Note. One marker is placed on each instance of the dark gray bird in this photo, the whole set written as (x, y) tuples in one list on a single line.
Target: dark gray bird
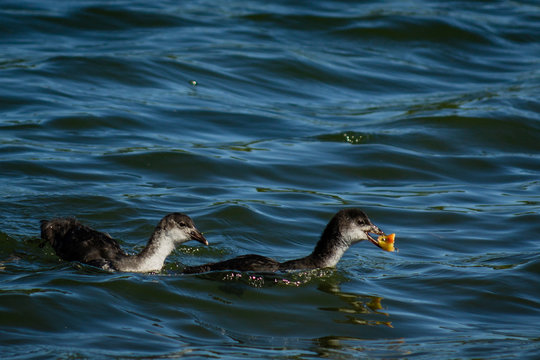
[(346, 228), (73, 241)]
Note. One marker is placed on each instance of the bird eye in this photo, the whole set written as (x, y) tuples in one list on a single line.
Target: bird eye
[(182, 224)]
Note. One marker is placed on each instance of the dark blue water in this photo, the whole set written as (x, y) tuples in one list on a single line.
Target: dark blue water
[(261, 120)]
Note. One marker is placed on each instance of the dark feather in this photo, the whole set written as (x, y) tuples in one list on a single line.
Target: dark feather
[(73, 241), (250, 262)]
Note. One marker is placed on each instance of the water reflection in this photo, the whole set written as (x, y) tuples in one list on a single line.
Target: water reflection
[(360, 309), (308, 309), (332, 346)]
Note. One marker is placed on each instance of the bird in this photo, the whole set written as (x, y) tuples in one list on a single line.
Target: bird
[(73, 241), (347, 227)]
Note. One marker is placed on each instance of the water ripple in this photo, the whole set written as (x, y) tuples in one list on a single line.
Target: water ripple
[(260, 120)]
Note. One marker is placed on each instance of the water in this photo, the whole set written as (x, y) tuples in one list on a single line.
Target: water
[(260, 120)]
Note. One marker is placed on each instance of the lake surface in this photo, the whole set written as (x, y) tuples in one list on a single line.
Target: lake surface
[(261, 120)]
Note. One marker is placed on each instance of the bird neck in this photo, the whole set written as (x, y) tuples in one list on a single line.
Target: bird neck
[(328, 252), (152, 257), (331, 246)]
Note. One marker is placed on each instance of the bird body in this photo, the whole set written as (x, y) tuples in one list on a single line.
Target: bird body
[(346, 228), (73, 241)]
